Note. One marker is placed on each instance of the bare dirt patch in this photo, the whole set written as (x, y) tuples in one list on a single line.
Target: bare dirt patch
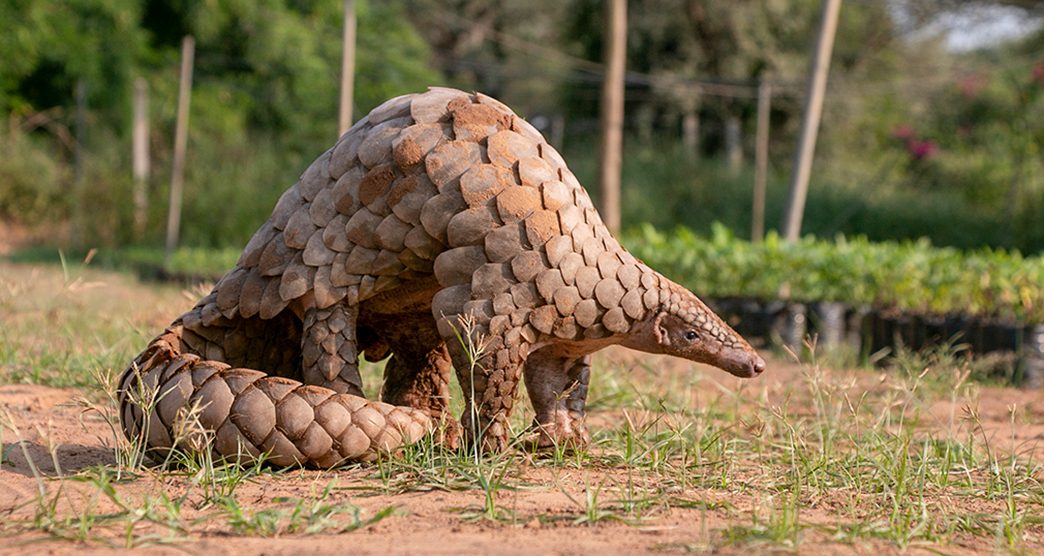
[(685, 459)]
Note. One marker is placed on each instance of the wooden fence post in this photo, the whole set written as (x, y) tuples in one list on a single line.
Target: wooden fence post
[(691, 131), (558, 131), (733, 143), (80, 92), (757, 227), (810, 121), (610, 158), (344, 120), (177, 175), (79, 223), (140, 156)]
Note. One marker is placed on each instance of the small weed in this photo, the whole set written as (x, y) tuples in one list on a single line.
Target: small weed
[(592, 510), (302, 516)]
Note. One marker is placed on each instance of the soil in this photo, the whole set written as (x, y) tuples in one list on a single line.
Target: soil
[(440, 521), (52, 323)]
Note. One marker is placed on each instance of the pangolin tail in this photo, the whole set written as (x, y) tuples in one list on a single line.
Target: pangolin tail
[(170, 398)]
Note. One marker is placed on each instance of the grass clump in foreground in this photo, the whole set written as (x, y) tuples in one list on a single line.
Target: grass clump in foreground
[(849, 459), (804, 457)]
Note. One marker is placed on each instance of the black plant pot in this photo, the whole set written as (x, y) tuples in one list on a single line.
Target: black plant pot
[(764, 317), (955, 328), (910, 332), (791, 325), (1000, 336), (859, 329), (744, 315), (873, 331), (934, 329), (886, 331), (1033, 357), (828, 322)]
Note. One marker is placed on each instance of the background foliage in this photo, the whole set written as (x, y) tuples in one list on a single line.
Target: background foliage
[(918, 140)]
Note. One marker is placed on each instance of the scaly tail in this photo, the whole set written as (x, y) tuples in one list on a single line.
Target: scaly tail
[(250, 413)]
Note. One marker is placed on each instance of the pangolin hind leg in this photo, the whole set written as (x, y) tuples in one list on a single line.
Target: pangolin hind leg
[(329, 350), (255, 343), (372, 347), (420, 379), (418, 376), (557, 384), (489, 396), (249, 412), (401, 321)]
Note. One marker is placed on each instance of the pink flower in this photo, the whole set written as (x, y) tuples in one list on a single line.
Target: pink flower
[(1038, 72), (920, 150)]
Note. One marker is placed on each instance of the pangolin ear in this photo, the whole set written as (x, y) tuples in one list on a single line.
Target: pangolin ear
[(662, 336)]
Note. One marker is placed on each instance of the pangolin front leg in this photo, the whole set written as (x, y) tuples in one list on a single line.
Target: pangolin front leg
[(557, 383), (488, 354), (489, 388)]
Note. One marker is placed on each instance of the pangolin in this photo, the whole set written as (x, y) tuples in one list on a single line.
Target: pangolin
[(441, 229)]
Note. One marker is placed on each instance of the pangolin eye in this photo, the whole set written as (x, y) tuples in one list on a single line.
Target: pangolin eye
[(692, 336)]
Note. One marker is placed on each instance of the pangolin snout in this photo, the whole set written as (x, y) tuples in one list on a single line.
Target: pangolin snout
[(758, 365), (745, 365)]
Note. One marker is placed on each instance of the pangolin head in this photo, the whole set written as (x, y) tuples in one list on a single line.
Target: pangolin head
[(685, 327)]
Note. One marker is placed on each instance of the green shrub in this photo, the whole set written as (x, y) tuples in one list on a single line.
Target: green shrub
[(34, 185), (908, 275)]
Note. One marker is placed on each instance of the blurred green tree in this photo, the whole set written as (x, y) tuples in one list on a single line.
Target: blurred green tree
[(264, 99), (47, 46)]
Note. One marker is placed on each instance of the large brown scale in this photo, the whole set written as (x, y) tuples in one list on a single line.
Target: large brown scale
[(432, 207)]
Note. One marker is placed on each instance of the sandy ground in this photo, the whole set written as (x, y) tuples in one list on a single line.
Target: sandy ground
[(434, 521), (48, 321)]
